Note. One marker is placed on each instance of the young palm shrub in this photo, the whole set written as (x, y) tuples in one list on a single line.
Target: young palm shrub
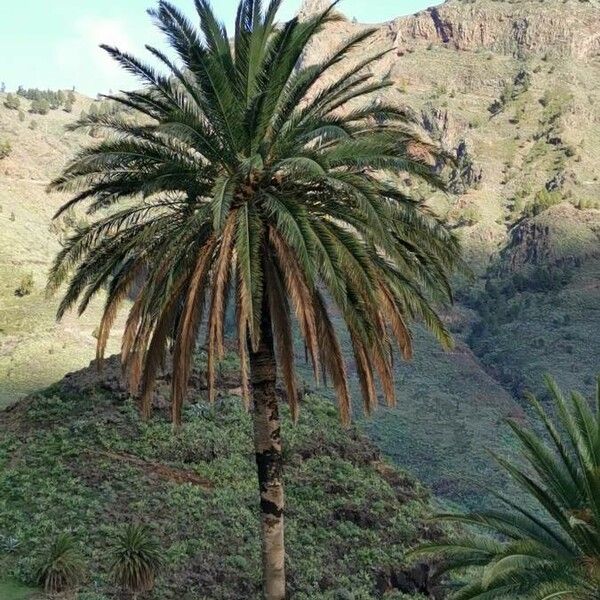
[(62, 568), (136, 559), (552, 550), (273, 186)]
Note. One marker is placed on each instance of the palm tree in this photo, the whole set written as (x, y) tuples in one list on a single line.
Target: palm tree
[(250, 180), (547, 543)]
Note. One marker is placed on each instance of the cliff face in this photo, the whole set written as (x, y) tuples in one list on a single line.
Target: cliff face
[(515, 28), (560, 236)]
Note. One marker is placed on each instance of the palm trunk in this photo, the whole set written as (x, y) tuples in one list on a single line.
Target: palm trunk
[(267, 444)]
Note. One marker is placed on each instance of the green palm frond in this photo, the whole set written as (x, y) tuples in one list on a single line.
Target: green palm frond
[(552, 550)]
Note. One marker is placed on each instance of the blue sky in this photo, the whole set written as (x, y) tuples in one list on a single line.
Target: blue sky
[(54, 43)]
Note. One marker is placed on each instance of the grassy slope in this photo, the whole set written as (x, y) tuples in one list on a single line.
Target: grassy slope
[(86, 463), (12, 590), (34, 350)]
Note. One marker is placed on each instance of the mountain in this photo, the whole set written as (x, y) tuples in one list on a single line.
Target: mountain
[(511, 89)]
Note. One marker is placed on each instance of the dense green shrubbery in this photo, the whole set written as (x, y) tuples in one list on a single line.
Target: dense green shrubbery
[(348, 517), (42, 101), (506, 300), (40, 107)]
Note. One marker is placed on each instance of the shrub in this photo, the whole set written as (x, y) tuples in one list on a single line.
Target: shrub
[(470, 216), (62, 568), (9, 544), (5, 148), (12, 102), (25, 287), (543, 201), (40, 107), (136, 559)]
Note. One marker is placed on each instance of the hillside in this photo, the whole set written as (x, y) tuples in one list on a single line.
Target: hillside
[(511, 88), (35, 351), (77, 457)]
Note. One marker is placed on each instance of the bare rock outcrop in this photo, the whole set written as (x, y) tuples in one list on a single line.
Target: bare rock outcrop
[(561, 236), (513, 28)]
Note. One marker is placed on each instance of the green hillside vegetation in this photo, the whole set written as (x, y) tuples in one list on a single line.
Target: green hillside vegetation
[(82, 462)]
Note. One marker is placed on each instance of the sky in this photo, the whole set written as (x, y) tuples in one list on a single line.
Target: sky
[(54, 43)]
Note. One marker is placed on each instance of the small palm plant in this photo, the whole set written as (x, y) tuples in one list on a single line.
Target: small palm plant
[(552, 551), (136, 559), (62, 568)]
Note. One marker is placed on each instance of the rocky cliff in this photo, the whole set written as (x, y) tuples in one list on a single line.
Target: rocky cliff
[(517, 28)]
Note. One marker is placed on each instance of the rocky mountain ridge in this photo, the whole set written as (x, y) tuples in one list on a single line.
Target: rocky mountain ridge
[(512, 28)]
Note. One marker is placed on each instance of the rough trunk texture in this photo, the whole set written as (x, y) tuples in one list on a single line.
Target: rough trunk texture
[(267, 443)]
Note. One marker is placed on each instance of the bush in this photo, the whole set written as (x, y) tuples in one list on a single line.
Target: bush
[(25, 287), (40, 107), (12, 102), (5, 148), (136, 559), (543, 201), (62, 568), (470, 216)]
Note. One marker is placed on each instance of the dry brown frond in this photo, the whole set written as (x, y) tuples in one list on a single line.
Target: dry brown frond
[(333, 358), (185, 341), (301, 297), (242, 330), (365, 373), (216, 317), (393, 316), (155, 354), (111, 309), (282, 328)]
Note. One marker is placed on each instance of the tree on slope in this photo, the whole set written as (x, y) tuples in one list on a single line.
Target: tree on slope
[(551, 550), (253, 181)]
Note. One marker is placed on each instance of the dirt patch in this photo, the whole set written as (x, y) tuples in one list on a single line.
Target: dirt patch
[(158, 470)]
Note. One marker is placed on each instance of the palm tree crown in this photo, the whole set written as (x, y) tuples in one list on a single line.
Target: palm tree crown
[(250, 181), (552, 550)]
